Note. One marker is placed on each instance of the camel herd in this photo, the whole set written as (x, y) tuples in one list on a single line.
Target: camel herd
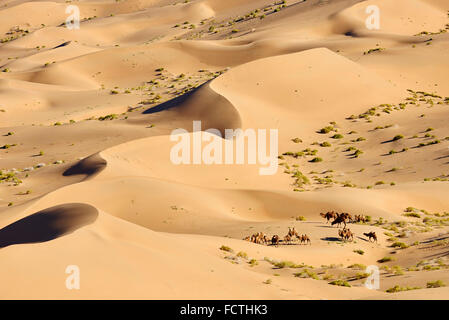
[(289, 238), (337, 219), (341, 218)]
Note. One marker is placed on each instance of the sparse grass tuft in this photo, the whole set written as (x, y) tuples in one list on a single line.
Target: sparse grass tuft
[(342, 283), (436, 284), (226, 248), (385, 259)]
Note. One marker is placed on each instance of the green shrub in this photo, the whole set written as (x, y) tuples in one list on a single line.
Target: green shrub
[(436, 284), (226, 248), (326, 129), (342, 283), (242, 254), (385, 259), (398, 288), (398, 244)]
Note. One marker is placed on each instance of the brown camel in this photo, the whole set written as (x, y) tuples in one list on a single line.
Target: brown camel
[(304, 239), (292, 232), (328, 215), (275, 240), (287, 239), (339, 220), (346, 234), (371, 235)]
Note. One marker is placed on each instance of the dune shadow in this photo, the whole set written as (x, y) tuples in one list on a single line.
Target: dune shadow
[(48, 224), (351, 33), (173, 102), (330, 239), (63, 44), (91, 165)]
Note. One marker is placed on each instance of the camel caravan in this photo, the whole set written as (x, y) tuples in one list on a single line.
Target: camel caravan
[(341, 218), (293, 236), (289, 238)]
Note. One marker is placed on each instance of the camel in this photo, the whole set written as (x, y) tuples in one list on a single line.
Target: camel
[(328, 215), (359, 218), (348, 216), (349, 235), (287, 239), (346, 234), (372, 235), (339, 220), (259, 238), (292, 232), (256, 238), (275, 240), (304, 238), (262, 239), (265, 239)]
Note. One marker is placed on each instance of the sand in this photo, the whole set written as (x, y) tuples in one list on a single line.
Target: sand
[(87, 180)]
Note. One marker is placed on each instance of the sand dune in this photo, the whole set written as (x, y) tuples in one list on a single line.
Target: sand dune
[(87, 118)]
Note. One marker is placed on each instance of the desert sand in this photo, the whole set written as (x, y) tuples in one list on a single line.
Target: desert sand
[(86, 117)]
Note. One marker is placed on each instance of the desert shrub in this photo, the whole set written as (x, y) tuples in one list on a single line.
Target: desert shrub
[(286, 264), (226, 248), (361, 275), (398, 244), (385, 259), (357, 266), (412, 214), (268, 281), (253, 262), (242, 254), (342, 283), (326, 129), (108, 117), (398, 288), (436, 284), (306, 273)]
